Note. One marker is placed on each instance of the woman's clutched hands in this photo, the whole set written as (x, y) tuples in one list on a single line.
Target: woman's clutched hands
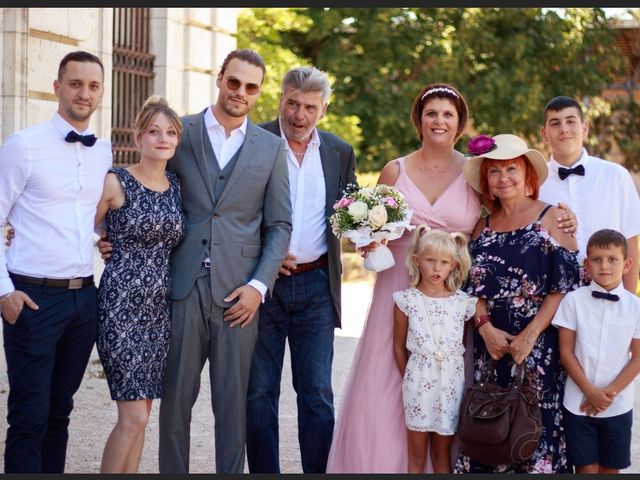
[(497, 341)]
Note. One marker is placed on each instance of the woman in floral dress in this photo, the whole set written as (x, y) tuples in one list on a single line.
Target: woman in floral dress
[(523, 264)]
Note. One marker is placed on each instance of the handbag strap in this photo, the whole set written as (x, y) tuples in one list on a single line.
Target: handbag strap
[(491, 368)]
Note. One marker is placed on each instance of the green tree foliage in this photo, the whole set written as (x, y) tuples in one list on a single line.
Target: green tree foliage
[(507, 61)]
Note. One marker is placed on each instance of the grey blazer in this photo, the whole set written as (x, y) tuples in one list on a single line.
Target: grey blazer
[(339, 168), (247, 228)]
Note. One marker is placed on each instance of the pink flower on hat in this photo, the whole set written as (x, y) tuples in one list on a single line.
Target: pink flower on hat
[(480, 145)]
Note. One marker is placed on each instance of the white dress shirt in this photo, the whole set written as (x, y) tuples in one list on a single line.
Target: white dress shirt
[(605, 197), (224, 149), (604, 330), (308, 201), (49, 190)]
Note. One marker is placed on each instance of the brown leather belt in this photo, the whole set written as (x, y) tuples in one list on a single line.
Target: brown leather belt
[(69, 283), (320, 262)]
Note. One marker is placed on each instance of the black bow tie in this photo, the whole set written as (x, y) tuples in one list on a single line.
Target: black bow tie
[(87, 140), (565, 172), (605, 295)]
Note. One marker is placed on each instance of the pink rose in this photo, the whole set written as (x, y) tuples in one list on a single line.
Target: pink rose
[(390, 201), (343, 202)]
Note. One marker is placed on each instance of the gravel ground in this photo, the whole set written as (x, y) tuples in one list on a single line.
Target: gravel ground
[(94, 414)]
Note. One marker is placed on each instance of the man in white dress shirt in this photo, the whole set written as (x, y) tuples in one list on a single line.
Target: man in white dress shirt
[(600, 193), (305, 306), (52, 179)]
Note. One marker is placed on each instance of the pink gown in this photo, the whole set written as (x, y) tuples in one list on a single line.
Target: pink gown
[(370, 434)]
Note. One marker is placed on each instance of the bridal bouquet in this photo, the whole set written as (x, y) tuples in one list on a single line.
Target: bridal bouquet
[(372, 214)]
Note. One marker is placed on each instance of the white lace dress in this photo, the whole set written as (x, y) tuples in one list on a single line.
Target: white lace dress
[(433, 382)]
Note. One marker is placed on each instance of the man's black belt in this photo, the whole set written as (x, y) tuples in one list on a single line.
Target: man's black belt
[(69, 283)]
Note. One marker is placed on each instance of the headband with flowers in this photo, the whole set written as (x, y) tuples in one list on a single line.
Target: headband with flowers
[(480, 145)]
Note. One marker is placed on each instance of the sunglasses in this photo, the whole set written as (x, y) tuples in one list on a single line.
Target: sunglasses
[(234, 84)]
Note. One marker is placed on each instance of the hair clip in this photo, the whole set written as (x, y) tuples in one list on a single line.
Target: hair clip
[(439, 90), (424, 229)]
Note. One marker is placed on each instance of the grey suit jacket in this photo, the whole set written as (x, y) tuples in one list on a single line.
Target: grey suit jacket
[(247, 228), (339, 168)]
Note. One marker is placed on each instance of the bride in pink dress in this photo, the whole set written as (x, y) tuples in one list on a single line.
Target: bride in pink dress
[(370, 434)]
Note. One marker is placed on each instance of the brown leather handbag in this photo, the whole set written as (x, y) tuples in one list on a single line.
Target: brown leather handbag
[(500, 425)]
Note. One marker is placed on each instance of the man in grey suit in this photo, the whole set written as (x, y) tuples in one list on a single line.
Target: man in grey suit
[(305, 306), (235, 195)]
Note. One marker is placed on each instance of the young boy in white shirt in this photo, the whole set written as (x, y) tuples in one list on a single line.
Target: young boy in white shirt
[(599, 331), (600, 193)]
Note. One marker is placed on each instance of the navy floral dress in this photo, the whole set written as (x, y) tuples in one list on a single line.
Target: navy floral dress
[(514, 271), (134, 326)]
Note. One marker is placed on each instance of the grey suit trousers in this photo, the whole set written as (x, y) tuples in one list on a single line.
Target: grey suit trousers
[(198, 333)]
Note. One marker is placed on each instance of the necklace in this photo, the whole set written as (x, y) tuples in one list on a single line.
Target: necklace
[(296, 154), (439, 355)]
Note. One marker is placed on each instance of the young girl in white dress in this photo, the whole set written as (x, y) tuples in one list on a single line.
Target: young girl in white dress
[(428, 331)]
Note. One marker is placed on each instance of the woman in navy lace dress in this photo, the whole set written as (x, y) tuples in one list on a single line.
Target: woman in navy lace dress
[(142, 210), (523, 264)]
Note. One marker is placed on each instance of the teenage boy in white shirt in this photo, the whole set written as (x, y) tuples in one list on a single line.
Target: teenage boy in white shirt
[(599, 332), (600, 193)]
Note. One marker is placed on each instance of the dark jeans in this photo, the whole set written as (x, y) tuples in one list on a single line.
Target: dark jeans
[(47, 352), (301, 310)]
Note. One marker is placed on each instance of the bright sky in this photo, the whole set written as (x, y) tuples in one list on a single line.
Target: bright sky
[(617, 12)]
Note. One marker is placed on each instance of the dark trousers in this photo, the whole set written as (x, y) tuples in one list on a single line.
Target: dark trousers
[(47, 351), (300, 310)]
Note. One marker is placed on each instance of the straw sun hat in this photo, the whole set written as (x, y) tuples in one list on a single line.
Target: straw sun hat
[(501, 147)]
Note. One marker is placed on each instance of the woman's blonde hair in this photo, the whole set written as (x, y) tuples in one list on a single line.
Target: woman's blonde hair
[(440, 242), (151, 106)]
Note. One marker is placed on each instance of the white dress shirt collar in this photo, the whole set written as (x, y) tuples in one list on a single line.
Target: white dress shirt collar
[(210, 121), (583, 160), (224, 147), (65, 127), (314, 142), (596, 287)]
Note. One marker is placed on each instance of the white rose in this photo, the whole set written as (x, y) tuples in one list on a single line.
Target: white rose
[(358, 211), (377, 216), (366, 192)]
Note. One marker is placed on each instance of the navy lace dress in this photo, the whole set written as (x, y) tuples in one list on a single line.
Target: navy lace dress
[(514, 271), (134, 326)]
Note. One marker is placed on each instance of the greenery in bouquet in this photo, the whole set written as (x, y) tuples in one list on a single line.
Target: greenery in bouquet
[(372, 207)]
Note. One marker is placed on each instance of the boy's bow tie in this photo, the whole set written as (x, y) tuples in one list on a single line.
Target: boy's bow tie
[(607, 296)]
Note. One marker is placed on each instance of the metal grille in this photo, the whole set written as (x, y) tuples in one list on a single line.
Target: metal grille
[(132, 78)]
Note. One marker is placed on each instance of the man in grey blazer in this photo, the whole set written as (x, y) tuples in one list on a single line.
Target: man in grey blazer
[(305, 306), (235, 195)]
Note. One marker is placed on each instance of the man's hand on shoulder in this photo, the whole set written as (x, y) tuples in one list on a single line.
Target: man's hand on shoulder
[(243, 311)]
